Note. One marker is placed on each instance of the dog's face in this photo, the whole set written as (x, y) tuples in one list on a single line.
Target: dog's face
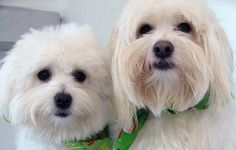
[(57, 81), (168, 54)]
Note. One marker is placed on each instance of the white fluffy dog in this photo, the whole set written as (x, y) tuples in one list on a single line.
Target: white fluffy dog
[(55, 86), (171, 56)]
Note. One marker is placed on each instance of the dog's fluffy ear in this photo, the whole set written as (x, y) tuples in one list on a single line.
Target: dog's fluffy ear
[(124, 110), (220, 57), (6, 82)]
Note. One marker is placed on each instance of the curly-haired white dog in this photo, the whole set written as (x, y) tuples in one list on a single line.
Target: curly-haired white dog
[(55, 86), (172, 57)]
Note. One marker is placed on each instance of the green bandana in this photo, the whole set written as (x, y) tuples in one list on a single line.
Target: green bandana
[(203, 104), (101, 141), (125, 140)]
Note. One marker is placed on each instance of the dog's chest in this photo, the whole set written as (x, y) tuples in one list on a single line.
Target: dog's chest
[(192, 131)]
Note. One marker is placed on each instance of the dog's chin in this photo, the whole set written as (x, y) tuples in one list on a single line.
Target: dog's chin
[(62, 119), (60, 126), (164, 65), (62, 113)]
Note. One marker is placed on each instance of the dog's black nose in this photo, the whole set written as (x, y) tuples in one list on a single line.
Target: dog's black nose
[(63, 100), (163, 49)]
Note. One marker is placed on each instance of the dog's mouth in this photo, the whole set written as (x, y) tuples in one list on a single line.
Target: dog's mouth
[(62, 114), (163, 64)]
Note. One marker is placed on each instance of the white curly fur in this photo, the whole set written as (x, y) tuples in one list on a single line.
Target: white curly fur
[(203, 62), (28, 102)]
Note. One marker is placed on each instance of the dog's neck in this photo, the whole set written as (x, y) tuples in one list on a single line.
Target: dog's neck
[(98, 141), (203, 104), (125, 139)]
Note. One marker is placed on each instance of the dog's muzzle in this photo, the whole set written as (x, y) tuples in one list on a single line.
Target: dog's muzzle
[(62, 102), (162, 51)]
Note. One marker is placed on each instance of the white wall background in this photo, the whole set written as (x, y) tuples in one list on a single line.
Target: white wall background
[(102, 15)]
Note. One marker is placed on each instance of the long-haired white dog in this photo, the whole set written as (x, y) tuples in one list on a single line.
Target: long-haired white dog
[(55, 86), (171, 56)]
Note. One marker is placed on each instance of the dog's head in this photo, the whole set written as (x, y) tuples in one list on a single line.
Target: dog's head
[(168, 54), (57, 82)]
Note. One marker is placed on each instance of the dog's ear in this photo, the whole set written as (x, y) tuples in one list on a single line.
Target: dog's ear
[(220, 58), (124, 111), (6, 81)]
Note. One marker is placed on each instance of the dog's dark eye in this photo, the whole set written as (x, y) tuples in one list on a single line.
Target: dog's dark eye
[(44, 75), (145, 29), (79, 76), (184, 27)]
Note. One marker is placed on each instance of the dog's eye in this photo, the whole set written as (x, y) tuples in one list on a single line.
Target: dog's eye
[(184, 27), (145, 29), (79, 76), (44, 75)]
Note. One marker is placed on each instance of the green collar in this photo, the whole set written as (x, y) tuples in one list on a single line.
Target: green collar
[(125, 139), (100, 141), (202, 105)]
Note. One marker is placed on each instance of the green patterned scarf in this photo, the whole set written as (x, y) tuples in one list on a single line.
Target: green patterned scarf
[(125, 139), (100, 141)]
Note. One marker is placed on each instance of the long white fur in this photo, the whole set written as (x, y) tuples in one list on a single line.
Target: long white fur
[(28, 102), (204, 62)]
